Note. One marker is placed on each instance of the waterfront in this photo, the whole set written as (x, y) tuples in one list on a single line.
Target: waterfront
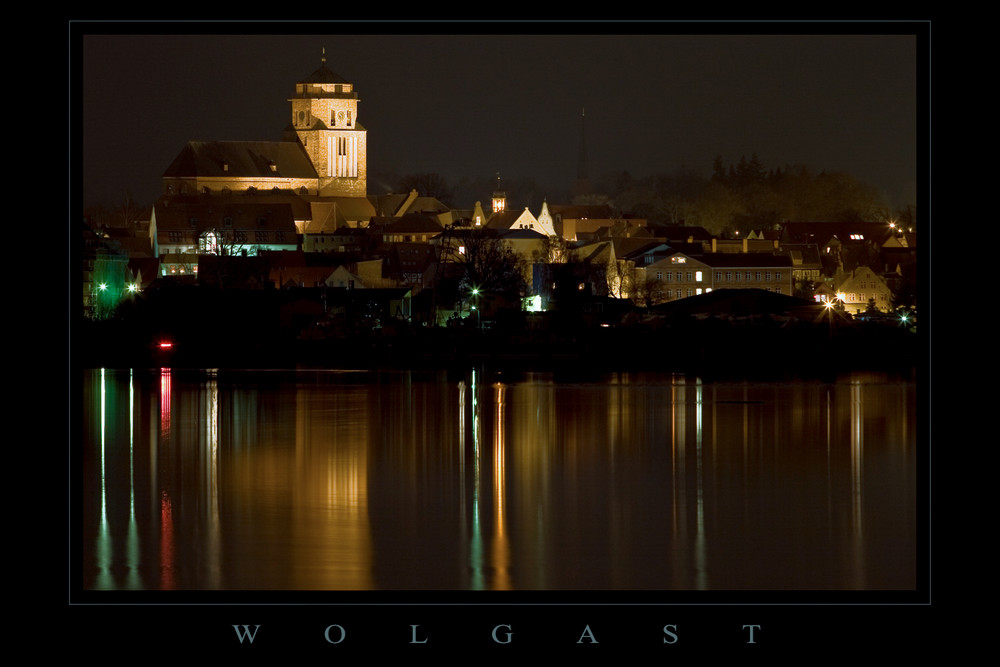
[(230, 480)]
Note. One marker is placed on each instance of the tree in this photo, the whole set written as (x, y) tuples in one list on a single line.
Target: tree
[(428, 185), (486, 262)]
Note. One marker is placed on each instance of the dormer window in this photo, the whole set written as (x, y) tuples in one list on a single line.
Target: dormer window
[(225, 166), (274, 167)]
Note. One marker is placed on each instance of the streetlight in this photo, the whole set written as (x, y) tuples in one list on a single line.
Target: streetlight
[(479, 317)]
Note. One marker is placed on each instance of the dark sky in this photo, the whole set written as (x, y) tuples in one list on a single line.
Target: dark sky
[(474, 104)]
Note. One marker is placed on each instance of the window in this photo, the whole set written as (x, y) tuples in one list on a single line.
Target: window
[(756, 276), (344, 157), (777, 275), (679, 278), (260, 236), (748, 276), (697, 276), (718, 276), (688, 276), (729, 276), (659, 276), (767, 275)]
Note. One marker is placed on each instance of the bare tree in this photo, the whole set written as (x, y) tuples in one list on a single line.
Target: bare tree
[(488, 263)]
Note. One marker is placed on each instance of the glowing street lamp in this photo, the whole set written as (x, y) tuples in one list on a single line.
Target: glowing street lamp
[(479, 318)]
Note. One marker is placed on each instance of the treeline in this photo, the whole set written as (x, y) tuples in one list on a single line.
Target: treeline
[(729, 198), (747, 195)]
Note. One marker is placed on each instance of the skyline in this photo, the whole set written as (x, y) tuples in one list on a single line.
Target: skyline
[(474, 105)]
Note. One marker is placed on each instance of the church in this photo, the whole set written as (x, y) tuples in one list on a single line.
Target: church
[(323, 152), (315, 177)]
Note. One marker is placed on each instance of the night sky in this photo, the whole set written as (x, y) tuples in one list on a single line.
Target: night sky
[(463, 104)]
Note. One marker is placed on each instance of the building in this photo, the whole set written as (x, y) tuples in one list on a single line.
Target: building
[(679, 275), (319, 169), (192, 225), (861, 287)]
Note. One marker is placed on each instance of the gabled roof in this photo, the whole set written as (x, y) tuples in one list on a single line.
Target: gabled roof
[(299, 205), (330, 213), (632, 247), (241, 159), (415, 223), (822, 232), (206, 213), (503, 220)]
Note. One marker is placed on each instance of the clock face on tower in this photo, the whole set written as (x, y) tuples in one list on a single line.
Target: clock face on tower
[(340, 118)]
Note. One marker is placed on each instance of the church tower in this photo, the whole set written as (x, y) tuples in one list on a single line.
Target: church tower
[(325, 122), (499, 198)]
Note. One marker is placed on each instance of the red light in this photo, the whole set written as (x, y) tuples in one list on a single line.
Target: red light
[(165, 345)]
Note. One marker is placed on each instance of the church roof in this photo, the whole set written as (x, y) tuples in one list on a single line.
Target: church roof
[(241, 159), (324, 75)]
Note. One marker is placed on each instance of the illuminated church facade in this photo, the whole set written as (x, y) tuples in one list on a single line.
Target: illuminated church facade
[(270, 195), (324, 151)]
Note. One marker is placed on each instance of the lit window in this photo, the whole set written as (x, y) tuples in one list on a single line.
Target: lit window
[(697, 276)]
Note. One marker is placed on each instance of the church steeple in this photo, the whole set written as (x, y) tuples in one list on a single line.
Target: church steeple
[(499, 197), (325, 121)]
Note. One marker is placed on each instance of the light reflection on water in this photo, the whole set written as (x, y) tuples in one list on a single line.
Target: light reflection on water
[(228, 480)]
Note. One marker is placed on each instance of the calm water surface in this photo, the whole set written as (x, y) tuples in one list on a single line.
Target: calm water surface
[(316, 480)]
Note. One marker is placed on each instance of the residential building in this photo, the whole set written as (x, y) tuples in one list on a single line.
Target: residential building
[(862, 287), (679, 275)]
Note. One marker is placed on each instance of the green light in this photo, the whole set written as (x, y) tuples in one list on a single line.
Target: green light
[(103, 287)]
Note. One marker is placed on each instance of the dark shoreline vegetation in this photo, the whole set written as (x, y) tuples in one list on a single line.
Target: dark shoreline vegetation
[(247, 330)]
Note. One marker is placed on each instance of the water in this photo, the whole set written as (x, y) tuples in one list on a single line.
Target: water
[(397, 481)]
